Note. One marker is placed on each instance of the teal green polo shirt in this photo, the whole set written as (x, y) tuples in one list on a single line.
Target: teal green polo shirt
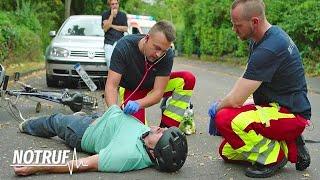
[(115, 137)]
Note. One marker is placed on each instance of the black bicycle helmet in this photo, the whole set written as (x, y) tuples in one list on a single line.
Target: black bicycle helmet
[(171, 150)]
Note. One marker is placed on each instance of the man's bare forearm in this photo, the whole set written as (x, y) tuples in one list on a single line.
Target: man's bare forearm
[(111, 96), (107, 23), (151, 99), (111, 88), (120, 28), (82, 165)]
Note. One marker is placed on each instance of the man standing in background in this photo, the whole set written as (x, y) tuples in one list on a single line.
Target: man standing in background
[(114, 23)]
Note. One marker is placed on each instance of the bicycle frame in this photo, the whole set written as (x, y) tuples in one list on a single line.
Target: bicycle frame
[(75, 101)]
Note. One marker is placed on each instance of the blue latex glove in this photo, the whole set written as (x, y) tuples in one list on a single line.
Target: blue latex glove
[(212, 114), (131, 107)]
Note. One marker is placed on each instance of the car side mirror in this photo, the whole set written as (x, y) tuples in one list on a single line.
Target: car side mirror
[(52, 33)]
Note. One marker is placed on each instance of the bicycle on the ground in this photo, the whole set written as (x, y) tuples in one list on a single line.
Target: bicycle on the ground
[(76, 101)]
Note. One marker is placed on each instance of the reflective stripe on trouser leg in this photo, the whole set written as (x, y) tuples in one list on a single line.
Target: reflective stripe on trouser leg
[(173, 114), (228, 153), (255, 147), (178, 104)]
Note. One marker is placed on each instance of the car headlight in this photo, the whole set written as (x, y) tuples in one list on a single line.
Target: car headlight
[(59, 52)]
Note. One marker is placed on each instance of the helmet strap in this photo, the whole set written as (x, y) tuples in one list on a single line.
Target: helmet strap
[(148, 149)]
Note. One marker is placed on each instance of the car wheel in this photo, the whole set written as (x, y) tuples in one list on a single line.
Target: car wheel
[(51, 82)]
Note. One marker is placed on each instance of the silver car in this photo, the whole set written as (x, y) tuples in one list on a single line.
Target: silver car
[(79, 40)]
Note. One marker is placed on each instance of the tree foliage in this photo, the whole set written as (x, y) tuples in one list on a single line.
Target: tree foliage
[(203, 26)]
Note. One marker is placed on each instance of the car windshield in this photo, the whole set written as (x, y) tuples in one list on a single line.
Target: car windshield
[(82, 27), (145, 30)]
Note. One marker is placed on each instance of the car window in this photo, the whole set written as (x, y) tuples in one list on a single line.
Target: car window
[(135, 30), (145, 30), (82, 27)]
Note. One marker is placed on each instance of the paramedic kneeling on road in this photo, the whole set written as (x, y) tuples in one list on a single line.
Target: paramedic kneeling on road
[(147, 60), (120, 142), (268, 132)]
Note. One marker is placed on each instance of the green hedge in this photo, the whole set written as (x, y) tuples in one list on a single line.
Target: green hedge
[(28, 46), (209, 23), (24, 28), (7, 36), (18, 43)]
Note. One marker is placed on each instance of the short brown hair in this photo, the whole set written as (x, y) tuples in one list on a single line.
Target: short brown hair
[(166, 28), (251, 8), (109, 1)]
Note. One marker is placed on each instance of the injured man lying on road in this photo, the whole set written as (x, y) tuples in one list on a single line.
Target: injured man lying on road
[(118, 142)]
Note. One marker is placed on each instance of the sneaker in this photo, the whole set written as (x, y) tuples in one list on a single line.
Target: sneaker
[(264, 171), (23, 124), (304, 159)]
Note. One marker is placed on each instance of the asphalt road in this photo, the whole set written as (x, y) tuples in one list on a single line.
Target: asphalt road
[(203, 162)]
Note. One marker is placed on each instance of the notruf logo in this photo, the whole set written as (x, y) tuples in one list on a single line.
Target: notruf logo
[(45, 158)]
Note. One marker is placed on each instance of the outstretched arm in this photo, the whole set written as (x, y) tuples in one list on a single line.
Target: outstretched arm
[(239, 93), (91, 164), (157, 92), (120, 28), (111, 88)]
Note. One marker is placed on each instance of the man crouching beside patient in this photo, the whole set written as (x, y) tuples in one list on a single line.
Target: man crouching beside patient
[(268, 132)]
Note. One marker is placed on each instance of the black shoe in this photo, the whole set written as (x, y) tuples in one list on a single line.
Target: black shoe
[(262, 171), (303, 155)]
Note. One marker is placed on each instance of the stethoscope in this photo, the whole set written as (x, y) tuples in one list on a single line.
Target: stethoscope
[(147, 68)]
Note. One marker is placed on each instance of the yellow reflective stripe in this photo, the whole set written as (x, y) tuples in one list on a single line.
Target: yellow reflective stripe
[(121, 94), (251, 139), (271, 113), (177, 110), (181, 97), (173, 115), (254, 149), (270, 154), (180, 104), (260, 115), (266, 154), (183, 92), (257, 147), (174, 84), (231, 154), (176, 107)]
